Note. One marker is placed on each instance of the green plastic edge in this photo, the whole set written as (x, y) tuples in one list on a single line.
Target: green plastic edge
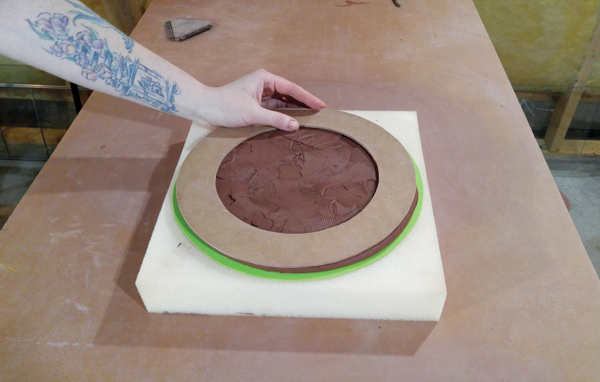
[(232, 264)]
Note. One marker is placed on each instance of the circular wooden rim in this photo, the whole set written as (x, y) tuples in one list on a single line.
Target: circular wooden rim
[(203, 211)]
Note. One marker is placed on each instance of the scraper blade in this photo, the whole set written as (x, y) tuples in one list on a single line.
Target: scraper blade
[(182, 29)]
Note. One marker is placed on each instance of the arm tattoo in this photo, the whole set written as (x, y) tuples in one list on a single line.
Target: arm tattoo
[(85, 48), (93, 17)]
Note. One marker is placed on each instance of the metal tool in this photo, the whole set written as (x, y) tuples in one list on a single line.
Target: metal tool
[(182, 29)]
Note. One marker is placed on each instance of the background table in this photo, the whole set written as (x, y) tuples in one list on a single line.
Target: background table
[(523, 299)]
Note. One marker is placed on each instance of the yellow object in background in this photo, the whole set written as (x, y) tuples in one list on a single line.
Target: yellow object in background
[(542, 44)]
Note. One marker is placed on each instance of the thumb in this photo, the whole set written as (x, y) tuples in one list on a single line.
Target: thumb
[(275, 119)]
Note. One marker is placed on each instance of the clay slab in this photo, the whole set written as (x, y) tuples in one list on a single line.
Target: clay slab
[(407, 284), (342, 176)]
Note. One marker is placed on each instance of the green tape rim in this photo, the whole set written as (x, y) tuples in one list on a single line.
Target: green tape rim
[(229, 263)]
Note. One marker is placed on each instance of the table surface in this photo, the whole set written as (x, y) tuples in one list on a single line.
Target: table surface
[(523, 298)]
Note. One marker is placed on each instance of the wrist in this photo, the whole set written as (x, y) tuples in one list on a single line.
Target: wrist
[(191, 102)]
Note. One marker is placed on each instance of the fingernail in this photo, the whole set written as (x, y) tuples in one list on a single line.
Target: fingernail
[(293, 125)]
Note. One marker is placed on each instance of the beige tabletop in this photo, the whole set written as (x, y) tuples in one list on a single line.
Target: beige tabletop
[(523, 298)]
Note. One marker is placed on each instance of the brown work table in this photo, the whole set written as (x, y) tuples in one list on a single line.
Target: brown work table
[(523, 298)]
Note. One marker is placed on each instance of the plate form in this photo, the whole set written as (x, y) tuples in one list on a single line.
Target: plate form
[(380, 227)]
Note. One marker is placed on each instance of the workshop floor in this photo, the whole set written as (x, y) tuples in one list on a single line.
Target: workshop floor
[(577, 177)]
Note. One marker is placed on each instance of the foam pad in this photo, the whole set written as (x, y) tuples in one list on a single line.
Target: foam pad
[(407, 284)]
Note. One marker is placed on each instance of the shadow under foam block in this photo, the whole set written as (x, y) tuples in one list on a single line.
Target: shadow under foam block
[(406, 284)]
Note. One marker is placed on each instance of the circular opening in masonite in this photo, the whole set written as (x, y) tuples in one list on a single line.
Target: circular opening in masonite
[(297, 182)]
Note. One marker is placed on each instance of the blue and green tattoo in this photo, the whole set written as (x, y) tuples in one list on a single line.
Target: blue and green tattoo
[(81, 44)]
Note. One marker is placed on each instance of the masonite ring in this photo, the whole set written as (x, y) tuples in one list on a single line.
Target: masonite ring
[(305, 276), (205, 214)]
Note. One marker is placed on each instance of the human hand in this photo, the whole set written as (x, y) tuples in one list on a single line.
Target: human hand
[(250, 100)]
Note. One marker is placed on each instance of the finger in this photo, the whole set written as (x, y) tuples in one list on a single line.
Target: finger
[(272, 118), (289, 100), (274, 103), (285, 87)]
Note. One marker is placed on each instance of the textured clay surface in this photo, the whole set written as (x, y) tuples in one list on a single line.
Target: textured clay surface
[(296, 182)]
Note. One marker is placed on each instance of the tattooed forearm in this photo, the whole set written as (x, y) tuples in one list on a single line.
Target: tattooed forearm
[(76, 41), (68, 40)]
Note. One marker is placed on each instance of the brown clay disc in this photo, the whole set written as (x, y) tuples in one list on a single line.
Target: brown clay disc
[(296, 182), (353, 239)]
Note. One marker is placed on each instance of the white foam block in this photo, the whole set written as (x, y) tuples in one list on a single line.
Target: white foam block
[(407, 284)]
